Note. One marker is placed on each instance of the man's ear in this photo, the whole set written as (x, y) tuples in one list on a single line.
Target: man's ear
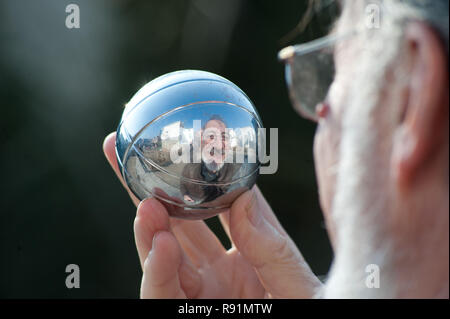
[(424, 127)]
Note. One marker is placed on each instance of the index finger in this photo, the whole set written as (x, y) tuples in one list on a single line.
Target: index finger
[(109, 148)]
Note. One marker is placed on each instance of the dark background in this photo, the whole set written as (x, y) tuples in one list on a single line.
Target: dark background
[(63, 90)]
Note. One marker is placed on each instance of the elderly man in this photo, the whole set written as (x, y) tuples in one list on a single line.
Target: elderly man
[(381, 154)]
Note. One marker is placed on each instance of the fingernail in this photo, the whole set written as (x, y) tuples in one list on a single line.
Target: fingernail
[(253, 214), (139, 206)]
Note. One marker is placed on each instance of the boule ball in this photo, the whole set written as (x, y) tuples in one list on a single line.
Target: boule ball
[(190, 139)]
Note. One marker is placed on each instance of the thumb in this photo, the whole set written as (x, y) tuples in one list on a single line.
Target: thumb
[(262, 241)]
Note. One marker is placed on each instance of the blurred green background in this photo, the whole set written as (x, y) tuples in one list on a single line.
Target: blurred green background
[(63, 90)]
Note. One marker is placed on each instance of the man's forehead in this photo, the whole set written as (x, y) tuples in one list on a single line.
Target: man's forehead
[(214, 123)]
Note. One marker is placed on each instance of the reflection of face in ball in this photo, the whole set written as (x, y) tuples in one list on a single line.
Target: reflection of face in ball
[(215, 144)]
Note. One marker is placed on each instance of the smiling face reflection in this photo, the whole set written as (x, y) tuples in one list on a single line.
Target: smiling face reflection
[(215, 144)]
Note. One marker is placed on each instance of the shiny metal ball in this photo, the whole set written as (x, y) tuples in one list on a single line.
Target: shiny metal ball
[(190, 138)]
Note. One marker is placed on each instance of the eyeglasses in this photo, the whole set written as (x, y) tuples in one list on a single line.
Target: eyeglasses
[(310, 72)]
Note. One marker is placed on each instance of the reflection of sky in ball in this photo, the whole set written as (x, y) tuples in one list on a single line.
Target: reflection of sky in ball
[(175, 131), (240, 118)]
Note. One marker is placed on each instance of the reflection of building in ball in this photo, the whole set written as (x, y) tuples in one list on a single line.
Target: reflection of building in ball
[(190, 139)]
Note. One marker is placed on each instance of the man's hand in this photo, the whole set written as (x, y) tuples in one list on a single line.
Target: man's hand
[(184, 259)]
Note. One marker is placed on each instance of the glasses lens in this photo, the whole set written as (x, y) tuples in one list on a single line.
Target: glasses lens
[(309, 77)]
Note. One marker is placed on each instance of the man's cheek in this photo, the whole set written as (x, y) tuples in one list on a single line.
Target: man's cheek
[(326, 159), (320, 164)]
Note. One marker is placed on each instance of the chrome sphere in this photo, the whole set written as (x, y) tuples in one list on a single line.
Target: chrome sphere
[(190, 138)]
